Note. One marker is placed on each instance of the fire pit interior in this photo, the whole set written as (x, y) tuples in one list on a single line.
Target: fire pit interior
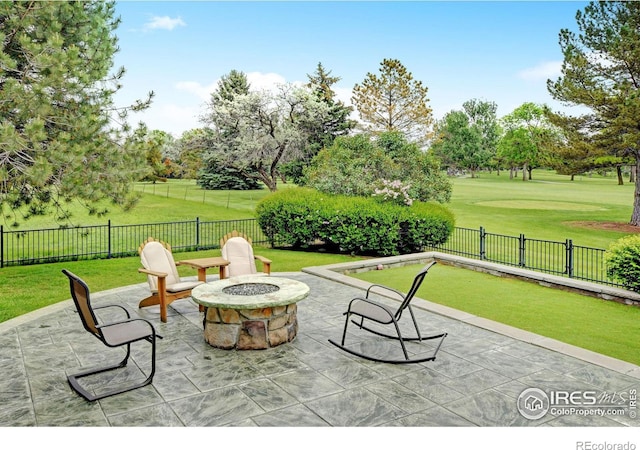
[(250, 289)]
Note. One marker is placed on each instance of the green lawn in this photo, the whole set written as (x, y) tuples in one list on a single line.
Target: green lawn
[(27, 288), (548, 207), (602, 326)]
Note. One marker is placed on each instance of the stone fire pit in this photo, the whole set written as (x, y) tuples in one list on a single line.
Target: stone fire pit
[(250, 312)]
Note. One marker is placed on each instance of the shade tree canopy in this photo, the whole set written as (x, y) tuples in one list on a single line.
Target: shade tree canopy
[(528, 136), (256, 133), (362, 164), (467, 139)]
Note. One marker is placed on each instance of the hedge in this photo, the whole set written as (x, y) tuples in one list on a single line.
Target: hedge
[(622, 261), (303, 217)]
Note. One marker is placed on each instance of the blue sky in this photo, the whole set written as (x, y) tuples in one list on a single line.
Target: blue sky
[(501, 51)]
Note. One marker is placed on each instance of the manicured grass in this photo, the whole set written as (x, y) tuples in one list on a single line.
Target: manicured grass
[(27, 288), (173, 201), (602, 326), (548, 207)]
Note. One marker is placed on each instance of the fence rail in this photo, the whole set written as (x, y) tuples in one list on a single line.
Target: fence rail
[(113, 241), (555, 257)]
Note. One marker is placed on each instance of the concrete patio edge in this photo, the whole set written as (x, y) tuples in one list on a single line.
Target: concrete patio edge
[(339, 273)]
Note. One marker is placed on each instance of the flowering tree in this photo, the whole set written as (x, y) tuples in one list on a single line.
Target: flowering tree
[(394, 191), (358, 165), (256, 133)]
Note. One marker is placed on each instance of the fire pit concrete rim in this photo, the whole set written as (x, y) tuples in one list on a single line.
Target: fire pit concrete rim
[(212, 295)]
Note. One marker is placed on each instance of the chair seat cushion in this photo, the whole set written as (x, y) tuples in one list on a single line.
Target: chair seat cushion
[(183, 286), (371, 310), (121, 333)]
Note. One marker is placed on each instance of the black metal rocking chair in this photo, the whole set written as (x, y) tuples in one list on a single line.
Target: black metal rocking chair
[(113, 334), (365, 308)]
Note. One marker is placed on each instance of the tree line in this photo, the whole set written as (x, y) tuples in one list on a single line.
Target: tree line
[(63, 139)]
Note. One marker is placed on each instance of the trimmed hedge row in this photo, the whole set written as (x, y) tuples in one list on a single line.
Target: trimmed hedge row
[(302, 217)]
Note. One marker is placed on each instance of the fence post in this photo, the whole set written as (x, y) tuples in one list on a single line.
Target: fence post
[(522, 259), (483, 243), (569, 268), (1, 245), (109, 239), (197, 233)]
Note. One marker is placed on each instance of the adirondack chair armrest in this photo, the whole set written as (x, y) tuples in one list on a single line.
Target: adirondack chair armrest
[(153, 273)]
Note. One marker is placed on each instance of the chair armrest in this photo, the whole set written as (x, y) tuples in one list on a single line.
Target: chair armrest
[(151, 272), (262, 259), (114, 306), (395, 291), (266, 263)]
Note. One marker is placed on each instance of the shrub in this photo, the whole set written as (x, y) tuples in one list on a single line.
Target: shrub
[(358, 165), (301, 217), (622, 260)]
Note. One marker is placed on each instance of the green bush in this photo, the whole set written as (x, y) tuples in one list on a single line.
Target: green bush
[(301, 217), (622, 260)]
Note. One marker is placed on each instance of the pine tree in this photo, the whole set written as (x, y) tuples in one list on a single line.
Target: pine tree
[(394, 101), (600, 71), (58, 139)]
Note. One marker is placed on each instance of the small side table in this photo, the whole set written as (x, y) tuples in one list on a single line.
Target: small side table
[(202, 264)]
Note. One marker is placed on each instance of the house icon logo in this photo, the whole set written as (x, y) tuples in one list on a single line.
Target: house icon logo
[(533, 403)]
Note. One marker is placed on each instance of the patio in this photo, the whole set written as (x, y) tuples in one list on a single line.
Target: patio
[(476, 379)]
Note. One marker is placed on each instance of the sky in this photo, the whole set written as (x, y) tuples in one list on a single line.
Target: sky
[(501, 51)]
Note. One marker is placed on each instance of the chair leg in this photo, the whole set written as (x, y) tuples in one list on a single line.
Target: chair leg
[(404, 349), (75, 384), (162, 293), (346, 324), (415, 323)]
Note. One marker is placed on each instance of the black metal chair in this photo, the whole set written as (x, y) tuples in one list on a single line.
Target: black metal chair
[(112, 334), (366, 308)]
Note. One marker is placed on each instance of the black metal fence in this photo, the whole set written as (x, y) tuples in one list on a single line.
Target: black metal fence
[(554, 257), (112, 241)]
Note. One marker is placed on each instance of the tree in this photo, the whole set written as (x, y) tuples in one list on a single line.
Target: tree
[(217, 175), (358, 165), (600, 71), (337, 122), (256, 133), (457, 143), (527, 137), (158, 147), (394, 101), (232, 84), (574, 153), (468, 139), (192, 145), (482, 116), (58, 138), (321, 134)]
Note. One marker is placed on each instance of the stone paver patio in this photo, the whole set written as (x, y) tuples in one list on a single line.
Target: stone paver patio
[(475, 380)]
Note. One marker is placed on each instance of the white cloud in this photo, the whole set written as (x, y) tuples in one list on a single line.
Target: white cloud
[(543, 71), (163, 23), (257, 80), (264, 81), (343, 94), (193, 87)]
